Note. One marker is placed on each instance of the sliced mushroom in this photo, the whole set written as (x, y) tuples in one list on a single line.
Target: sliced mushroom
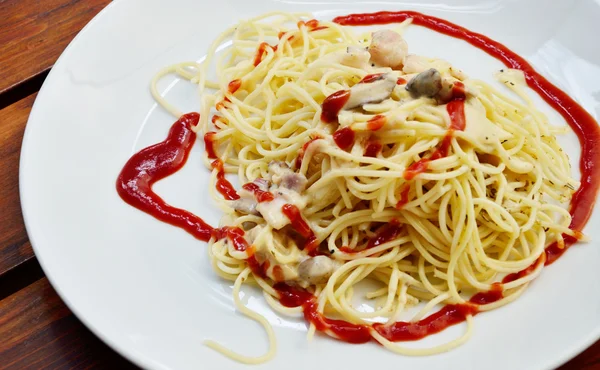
[(431, 84), (372, 92), (355, 57), (316, 269), (427, 83), (388, 49)]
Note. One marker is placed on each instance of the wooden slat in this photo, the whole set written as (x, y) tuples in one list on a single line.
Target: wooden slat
[(587, 360), (38, 331), (33, 33), (14, 245)]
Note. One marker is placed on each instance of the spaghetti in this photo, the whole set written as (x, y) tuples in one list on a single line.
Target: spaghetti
[(362, 162)]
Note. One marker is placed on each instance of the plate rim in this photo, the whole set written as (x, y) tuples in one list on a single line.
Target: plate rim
[(140, 360)]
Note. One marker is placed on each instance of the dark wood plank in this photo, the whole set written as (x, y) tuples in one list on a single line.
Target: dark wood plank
[(33, 33), (588, 359), (14, 245), (38, 331)]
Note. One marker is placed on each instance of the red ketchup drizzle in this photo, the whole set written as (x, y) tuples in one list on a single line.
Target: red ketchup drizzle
[(376, 122), (220, 105), (223, 186), (333, 104), (372, 149), (355, 333), (301, 227), (260, 195), (158, 161), (579, 119), (385, 234), (235, 236), (234, 85), (154, 163), (400, 81), (403, 196), (371, 78), (449, 315), (456, 111), (262, 49), (209, 144), (342, 330), (300, 156), (344, 138), (491, 296), (421, 165), (517, 275)]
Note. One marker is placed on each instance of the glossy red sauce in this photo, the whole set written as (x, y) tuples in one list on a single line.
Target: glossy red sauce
[(344, 138), (400, 81), (517, 275), (376, 122), (234, 85), (300, 156), (308, 239), (158, 161), (372, 148), (260, 195), (579, 119), (278, 273), (293, 214), (220, 105), (260, 52), (458, 91), (403, 196), (449, 315), (339, 329), (371, 78), (209, 144), (357, 333), (223, 186), (456, 111), (386, 233), (235, 235), (154, 163), (491, 296), (333, 104)]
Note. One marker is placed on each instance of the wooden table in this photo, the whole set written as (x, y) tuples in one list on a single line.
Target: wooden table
[(36, 329)]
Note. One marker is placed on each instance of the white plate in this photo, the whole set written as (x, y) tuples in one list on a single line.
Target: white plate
[(147, 289)]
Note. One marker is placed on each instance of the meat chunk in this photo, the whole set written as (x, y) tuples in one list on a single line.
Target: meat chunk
[(316, 269), (372, 92), (355, 57), (388, 49), (282, 175), (272, 212), (247, 202), (414, 64)]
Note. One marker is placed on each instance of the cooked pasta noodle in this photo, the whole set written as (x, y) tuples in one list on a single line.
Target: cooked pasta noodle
[(431, 184)]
